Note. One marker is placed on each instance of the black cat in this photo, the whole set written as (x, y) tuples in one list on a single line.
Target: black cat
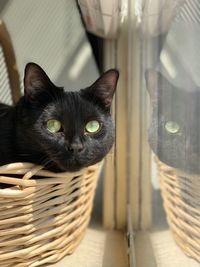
[(174, 133), (63, 131)]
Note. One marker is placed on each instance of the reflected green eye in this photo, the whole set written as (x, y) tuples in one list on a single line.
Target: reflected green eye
[(92, 127), (53, 126), (172, 127)]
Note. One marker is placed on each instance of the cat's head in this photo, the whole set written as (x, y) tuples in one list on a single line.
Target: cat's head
[(74, 129), (174, 132)]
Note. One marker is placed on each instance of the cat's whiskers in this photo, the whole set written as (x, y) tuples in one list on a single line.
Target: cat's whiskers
[(47, 162)]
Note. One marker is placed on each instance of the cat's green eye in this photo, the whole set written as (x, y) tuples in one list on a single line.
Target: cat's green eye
[(172, 127), (92, 127), (54, 126)]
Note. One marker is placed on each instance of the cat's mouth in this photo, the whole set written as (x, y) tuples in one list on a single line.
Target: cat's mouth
[(67, 165), (71, 165)]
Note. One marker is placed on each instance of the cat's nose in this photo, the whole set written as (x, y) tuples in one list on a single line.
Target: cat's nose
[(75, 147)]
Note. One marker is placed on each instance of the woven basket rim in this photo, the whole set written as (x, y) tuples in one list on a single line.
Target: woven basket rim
[(11, 167), (176, 171), (28, 170)]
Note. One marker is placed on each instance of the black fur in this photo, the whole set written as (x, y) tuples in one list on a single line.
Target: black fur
[(24, 136)]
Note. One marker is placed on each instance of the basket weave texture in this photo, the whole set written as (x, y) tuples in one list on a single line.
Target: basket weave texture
[(181, 197), (43, 219)]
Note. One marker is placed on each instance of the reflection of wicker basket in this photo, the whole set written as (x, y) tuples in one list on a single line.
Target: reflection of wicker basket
[(181, 195), (43, 219)]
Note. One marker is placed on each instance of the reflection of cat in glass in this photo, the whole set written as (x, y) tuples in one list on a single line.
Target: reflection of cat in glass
[(174, 132)]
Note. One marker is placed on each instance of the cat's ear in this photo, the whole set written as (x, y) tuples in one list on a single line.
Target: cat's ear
[(152, 78), (157, 85), (36, 82), (104, 88)]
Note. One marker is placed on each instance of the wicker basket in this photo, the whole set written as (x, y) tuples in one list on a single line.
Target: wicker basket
[(181, 196), (43, 219)]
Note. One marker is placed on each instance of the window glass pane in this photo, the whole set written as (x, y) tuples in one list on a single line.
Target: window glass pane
[(170, 59)]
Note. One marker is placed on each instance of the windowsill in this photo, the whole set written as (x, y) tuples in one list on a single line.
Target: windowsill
[(99, 248), (158, 249)]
